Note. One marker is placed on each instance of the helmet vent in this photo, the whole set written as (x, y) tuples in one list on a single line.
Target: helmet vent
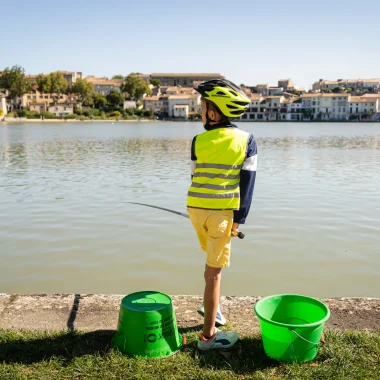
[(240, 103), (231, 107), (234, 93), (238, 113), (220, 93)]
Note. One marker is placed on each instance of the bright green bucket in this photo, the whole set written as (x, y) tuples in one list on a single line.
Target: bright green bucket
[(147, 326), (291, 326)]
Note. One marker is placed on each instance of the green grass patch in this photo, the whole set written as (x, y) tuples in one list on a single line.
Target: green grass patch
[(88, 355)]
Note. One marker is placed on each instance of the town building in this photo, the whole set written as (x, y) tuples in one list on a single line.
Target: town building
[(3, 103), (129, 104), (294, 109), (324, 106), (62, 109), (354, 84), (192, 101), (154, 103), (104, 85), (183, 79), (38, 107), (363, 108)]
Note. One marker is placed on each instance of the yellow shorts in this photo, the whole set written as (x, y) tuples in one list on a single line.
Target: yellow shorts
[(213, 228)]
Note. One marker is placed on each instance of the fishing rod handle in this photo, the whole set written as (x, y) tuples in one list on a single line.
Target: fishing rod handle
[(239, 234)]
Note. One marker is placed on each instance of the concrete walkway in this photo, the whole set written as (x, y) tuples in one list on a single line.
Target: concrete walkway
[(91, 312)]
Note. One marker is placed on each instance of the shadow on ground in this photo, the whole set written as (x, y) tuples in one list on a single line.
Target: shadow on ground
[(66, 345), (246, 356)]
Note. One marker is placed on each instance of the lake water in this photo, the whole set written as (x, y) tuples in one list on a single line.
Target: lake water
[(66, 224)]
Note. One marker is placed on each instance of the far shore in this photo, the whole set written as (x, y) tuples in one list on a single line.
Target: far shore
[(69, 121)]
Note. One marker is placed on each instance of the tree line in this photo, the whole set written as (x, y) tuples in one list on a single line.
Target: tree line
[(17, 84)]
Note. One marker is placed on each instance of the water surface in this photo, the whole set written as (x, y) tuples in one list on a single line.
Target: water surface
[(66, 224)]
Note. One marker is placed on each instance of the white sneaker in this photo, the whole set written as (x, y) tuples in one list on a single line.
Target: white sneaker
[(220, 320), (221, 340)]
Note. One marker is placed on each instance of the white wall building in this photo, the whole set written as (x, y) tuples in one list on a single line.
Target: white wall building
[(129, 104), (294, 110), (193, 101), (62, 109), (3, 105), (181, 111)]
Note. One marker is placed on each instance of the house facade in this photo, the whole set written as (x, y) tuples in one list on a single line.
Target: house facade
[(38, 107), (192, 101), (104, 85), (62, 109)]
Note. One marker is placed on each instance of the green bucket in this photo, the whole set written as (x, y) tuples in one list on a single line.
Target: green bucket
[(291, 326), (147, 326)]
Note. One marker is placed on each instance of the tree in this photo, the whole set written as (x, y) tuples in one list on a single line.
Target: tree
[(155, 82), (100, 101), (84, 90), (58, 84), (135, 86), (337, 89), (242, 85), (118, 76), (14, 81), (43, 83), (54, 84), (115, 98)]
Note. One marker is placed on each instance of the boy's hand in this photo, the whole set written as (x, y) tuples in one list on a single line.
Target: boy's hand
[(235, 227)]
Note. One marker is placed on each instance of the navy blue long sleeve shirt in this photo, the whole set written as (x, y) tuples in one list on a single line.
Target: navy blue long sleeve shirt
[(247, 173)]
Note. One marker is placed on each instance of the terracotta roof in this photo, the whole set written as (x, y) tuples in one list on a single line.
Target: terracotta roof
[(151, 98), (256, 97), (181, 106), (104, 81), (194, 96), (185, 90), (208, 75)]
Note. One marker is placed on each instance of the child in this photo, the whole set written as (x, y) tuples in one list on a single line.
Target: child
[(224, 161)]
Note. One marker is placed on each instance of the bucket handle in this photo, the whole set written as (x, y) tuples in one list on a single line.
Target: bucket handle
[(300, 336)]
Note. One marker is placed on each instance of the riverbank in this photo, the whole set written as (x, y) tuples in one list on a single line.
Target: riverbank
[(27, 351), (91, 312)]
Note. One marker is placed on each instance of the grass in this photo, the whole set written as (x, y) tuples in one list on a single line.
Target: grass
[(88, 355)]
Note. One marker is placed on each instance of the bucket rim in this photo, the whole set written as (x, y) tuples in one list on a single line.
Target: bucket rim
[(289, 325)]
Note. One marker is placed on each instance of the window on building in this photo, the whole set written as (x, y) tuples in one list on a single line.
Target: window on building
[(339, 109), (252, 116), (260, 116), (357, 109), (333, 110), (344, 109), (350, 109), (29, 97), (56, 108)]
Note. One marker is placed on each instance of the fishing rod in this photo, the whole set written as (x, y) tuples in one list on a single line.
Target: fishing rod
[(239, 234)]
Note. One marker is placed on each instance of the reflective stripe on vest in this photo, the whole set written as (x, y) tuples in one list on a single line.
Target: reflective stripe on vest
[(220, 155)]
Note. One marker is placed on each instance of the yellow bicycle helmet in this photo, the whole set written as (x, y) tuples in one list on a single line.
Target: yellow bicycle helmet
[(228, 98)]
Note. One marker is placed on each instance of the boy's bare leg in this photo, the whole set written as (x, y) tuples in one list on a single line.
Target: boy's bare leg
[(211, 298)]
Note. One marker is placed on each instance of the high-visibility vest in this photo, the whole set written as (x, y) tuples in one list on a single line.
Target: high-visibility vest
[(220, 155)]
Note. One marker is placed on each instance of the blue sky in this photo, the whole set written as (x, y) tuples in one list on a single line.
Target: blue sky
[(248, 41)]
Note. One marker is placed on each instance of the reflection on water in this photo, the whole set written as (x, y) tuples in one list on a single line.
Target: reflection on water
[(66, 224)]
